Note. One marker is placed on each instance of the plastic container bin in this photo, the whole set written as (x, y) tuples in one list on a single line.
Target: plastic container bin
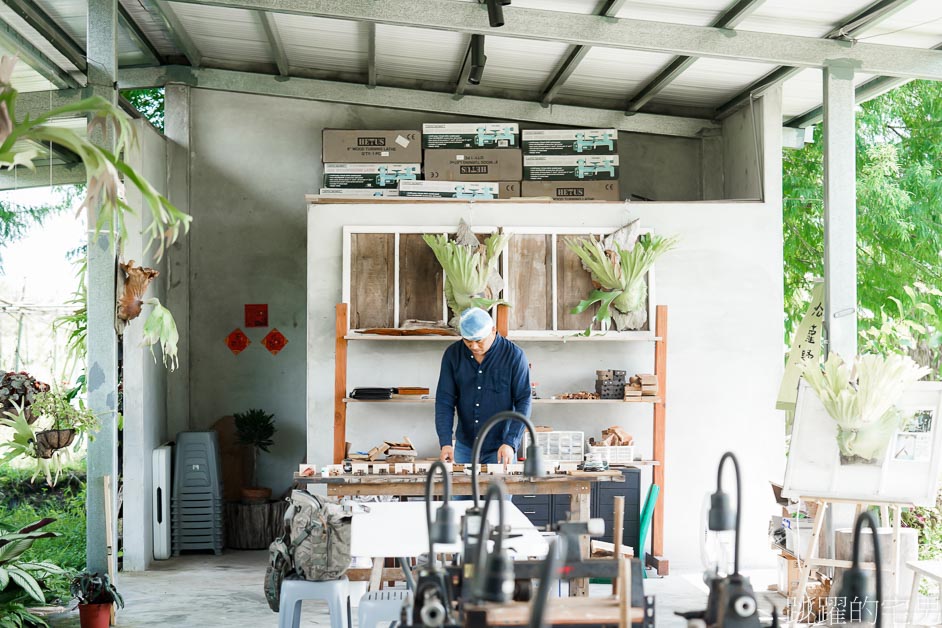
[(622, 454)]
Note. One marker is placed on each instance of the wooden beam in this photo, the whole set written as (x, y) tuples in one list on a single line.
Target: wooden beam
[(340, 383), (503, 320), (660, 429)]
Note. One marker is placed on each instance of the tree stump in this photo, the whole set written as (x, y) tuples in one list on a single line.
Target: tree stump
[(254, 526)]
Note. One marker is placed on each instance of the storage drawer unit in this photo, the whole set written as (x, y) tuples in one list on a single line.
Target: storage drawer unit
[(545, 510)]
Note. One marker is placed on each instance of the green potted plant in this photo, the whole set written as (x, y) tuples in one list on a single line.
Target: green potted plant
[(95, 594), (255, 429), (65, 420), (17, 391)]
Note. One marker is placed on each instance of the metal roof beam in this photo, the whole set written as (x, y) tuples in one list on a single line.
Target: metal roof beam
[(371, 55), (138, 37), (36, 17), (410, 99), (21, 178), (575, 57), (175, 30), (274, 41), (867, 19), (621, 33), (35, 58), (856, 24), (864, 92), (736, 14)]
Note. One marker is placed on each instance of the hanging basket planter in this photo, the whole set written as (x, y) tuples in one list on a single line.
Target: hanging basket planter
[(49, 442)]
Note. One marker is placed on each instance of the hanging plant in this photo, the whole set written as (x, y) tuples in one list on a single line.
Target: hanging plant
[(862, 399), (471, 275), (18, 390), (618, 265)]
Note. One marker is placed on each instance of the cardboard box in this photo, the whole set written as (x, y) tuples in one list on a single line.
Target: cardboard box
[(484, 164), (473, 135), (360, 176), (570, 142), (508, 189), (570, 168), (368, 146), (573, 190), (359, 193), (448, 189)]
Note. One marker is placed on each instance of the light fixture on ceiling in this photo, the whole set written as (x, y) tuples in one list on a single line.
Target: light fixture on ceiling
[(477, 59), (495, 11)]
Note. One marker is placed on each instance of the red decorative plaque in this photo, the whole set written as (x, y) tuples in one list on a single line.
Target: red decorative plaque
[(256, 315), (274, 341), (237, 341)]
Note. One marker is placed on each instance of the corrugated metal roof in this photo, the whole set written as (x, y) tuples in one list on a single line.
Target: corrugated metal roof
[(431, 59)]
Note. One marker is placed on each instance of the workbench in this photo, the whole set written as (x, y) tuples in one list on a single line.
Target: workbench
[(578, 485)]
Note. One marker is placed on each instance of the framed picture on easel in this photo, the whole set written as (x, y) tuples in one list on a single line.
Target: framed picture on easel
[(899, 464)]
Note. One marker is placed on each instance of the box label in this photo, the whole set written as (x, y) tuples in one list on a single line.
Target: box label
[(473, 165), (474, 135), (570, 167), (369, 146), (570, 142), (369, 175), (449, 189), (573, 190)]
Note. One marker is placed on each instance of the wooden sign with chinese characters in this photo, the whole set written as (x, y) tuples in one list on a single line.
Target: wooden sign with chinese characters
[(806, 349)]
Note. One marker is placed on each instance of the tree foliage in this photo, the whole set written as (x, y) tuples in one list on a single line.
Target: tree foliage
[(150, 102), (899, 210)]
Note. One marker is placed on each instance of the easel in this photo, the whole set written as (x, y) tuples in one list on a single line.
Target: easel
[(890, 564)]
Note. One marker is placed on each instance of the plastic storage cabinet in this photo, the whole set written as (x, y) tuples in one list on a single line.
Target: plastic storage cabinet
[(197, 493)]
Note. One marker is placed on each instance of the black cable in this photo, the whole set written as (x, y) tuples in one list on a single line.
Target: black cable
[(719, 489), (866, 517), (438, 465), (479, 442), (549, 574), (495, 488)]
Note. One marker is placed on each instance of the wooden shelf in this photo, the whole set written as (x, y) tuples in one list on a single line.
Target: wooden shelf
[(535, 401), (627, 336)]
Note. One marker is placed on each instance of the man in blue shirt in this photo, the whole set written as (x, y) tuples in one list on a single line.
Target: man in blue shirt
[(482, 375)]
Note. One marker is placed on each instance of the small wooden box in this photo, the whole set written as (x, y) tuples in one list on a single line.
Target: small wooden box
[(405, 468), (380, 468)]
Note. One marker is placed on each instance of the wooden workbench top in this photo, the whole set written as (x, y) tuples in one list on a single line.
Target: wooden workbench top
[(559, 611), (464, 478)]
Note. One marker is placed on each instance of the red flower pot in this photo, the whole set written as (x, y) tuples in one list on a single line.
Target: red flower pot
[(94, 615)]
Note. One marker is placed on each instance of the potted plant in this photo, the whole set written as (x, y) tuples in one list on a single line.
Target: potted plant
[(95, 594), (17, 392), (67, 420), (255, 428)]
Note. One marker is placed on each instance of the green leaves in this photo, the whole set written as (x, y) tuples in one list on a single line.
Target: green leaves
[(161, 328), (255, 428)]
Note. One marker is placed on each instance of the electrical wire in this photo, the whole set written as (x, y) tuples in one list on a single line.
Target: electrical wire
[(479, 443), (719, 487), (439, 466)]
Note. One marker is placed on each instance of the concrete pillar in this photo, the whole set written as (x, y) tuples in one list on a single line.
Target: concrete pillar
[(840, 211), (177, 130), (102, 367)]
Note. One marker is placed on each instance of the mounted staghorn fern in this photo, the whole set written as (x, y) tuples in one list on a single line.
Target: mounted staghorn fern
[(862, 400), (471, 276), (618, 266), (104, 171)]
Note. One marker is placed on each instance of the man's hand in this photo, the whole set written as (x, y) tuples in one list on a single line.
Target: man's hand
[(448, 454), (506, 455)]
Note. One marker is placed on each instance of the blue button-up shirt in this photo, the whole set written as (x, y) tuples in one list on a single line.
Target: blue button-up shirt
[(479, 391)]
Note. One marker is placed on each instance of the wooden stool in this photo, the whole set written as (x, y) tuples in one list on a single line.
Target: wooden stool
[(931, 569)]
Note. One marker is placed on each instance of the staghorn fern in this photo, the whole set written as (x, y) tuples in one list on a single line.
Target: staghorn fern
[(862, 399), (620, 273)]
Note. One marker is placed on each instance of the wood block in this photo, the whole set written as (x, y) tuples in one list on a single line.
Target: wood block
[(632, 392), (623, 437), (649, 391), (648, 380), (235, 459), (603, 375), (253, 526)]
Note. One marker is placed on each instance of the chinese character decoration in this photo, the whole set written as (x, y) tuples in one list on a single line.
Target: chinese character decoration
[(237, 341), (274, 341)]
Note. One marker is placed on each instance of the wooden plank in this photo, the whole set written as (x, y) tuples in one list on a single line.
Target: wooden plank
[(581, 507), (341, 330), (420, 280), (594, 611), (573, 284), (618, 531), (376, 575), (363, 575), (372, 280), (660, 432), (503, 320), (531, 263)]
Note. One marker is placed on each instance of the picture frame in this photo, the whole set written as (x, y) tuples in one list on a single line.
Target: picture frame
[(906, 472)]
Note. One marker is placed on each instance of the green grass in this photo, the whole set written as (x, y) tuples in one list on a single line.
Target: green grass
[(22, 503)]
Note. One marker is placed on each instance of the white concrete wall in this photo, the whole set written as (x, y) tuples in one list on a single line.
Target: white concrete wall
[(145, 381)]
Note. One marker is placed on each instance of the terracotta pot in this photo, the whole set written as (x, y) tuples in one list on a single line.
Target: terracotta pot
[(255, 494), (94, 615), (49, 441)]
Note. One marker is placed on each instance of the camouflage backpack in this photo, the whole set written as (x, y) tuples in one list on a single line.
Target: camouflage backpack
[(315, 544)]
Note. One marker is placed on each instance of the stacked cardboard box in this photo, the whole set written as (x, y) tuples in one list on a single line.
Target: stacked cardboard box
[(473, 161), (571, 164), (365, 163)]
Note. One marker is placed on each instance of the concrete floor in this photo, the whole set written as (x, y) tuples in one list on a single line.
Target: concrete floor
[(206, 591)]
